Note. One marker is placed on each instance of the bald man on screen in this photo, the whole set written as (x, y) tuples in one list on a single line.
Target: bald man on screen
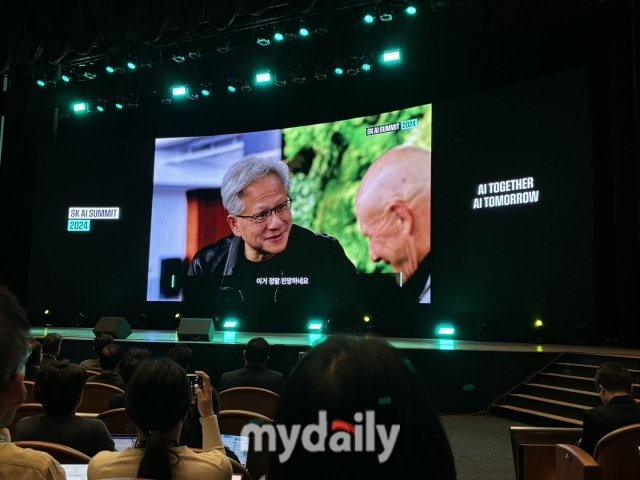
[(393, 208)]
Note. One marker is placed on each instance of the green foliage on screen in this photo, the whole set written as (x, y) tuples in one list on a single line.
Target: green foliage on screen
[(329, 160)]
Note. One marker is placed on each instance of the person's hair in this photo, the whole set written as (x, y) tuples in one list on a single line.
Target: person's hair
[(345, 376), (130, 361), (101, 341), (13, 343), (613, 378), (51, 343), (36, 351), (157, 398), (246, 171), (257, 350), (110, 356), (58, 386), (181, 355)]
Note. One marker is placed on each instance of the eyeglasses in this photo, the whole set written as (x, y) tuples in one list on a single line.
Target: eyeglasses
[(265, 215)]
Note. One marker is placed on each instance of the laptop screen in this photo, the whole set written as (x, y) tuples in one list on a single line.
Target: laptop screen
[(122, 442), (75, 472), (238, 445), (236, 476)]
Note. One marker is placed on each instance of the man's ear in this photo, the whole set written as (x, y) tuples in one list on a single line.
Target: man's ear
[(233, 223), (244, 355), (17, 392), (403, 215)]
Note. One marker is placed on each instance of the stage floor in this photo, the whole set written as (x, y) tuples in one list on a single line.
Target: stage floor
[(301, 339)]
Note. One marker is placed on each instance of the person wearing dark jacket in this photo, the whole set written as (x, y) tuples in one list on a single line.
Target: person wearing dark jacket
[(267, 258), (619, 408), (254, 373), (110, 358)]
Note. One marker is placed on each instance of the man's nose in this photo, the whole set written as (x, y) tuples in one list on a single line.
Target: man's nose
[(274, 221), (373, 254)]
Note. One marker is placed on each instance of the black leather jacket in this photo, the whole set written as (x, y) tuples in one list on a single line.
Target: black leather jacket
[(316, 256)]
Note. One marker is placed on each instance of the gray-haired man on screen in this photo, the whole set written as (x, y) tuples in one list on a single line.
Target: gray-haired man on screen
[(268, 258)]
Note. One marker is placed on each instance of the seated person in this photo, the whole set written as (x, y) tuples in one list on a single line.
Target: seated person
[(157, 400), (33, 362), (342, 380), (619, 409), (181, 355), (59, 389), (110, 358), (99, 342), (254, 373), (128, 365), (51, 344), (16, 462)]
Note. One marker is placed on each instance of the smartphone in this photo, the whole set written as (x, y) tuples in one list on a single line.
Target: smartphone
[(195, 380)]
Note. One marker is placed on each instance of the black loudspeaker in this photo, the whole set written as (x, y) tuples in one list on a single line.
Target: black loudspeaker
[(196, 329), (117, 327)]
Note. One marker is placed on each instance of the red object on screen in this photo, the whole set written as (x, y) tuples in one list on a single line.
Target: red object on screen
[(206, 219)]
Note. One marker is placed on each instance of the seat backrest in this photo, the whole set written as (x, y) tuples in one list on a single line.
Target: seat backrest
[(96, 397), (25, 410), (117, 421), (31, 398), (61, 453), (250, 399), (618, 453), (231, 422), (239, 469)]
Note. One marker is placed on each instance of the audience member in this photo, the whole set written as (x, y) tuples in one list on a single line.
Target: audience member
[(619, 409), (130, 361), (16, 462), (50, 348), (181, 355), (99, 342), (346, 378), (254, 373), (33, 362), (157, 400), (110, 358), (59, 389)]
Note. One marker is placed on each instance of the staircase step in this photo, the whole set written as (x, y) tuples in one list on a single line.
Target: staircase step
[(547, 405), (583, 370), (533, 418), (572, 381), (579, 397), (628, 362)]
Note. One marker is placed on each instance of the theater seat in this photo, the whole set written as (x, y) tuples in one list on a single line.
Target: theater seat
[(239, 469), (615, 457), (25, 410), (249, 399), (117, 421), (31, 398), (96, 397), (61, 453)]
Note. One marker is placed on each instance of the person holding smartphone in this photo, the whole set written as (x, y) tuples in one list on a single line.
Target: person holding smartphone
[(157, 400)]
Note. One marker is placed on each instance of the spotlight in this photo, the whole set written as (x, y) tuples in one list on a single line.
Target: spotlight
[(321, 71), (303, 31), (278, 36), (86, 70), (205, 89), (230, 323), (246, 87), (192, 95), (100, 106), (41, 82), (385, 14), (298, 75), (369, 15), (79, 107), (446, 330), (411, 10), (180, 91), (118, 102), (339, 68), (224, 45), (113, 67), (66, 76), (263, 38), (132, 62), (195, 53), (132, 102), (178, 57), (352, 67), (315, 325), (280, 78), (263, 77), (539, 331), (232, 85), (391, 56), (165, 100)]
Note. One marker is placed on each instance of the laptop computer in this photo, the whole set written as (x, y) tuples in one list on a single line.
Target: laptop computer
[(122, 442), (238, 445), (236, 476), (75, 472)]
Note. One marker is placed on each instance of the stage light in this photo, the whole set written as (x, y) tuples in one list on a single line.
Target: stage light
[(132, 101), (321, 71), (132, 62), (114, 66), (165, 99), (315, 325), (385, 14), (263, 77), (178, 58), (100, 106), (366, 318), (195, 53), (539, 331), (391, 56), (206, 89), (369, 15), (339, 68), (245, 87), (179, 91), (280, 78), (46, 312), (177, 315), (278, 37), (298, 75), (119, 103), (304, 32), (230, 323), (110, 69), (40, 82), (538, 323), (232, 88), (66, 77), (224, 45), (411, 10), (352, 66), (79, 107), (263, 38), (446, 331), (366, 63)]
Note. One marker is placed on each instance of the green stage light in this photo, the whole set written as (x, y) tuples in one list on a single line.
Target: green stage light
[(40, 82), (368, 18), (338, 70), (100, 108), (391, 56), (445, 329), (411, 10), (65, 77), (315, 325), (366, 67), (110, 69), (303, 32), (230, 324), (79, 107), (179, 91), (231, 88), (263, 77), (205, 92), (119, 105), (131, 65), (278, 37)]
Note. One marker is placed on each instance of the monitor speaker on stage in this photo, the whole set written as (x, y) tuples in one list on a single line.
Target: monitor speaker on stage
[(196, 329), (117, 327)]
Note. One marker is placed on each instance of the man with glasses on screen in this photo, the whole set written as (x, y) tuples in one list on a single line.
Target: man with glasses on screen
[(268, 258), (393, 208), (16, 462)]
